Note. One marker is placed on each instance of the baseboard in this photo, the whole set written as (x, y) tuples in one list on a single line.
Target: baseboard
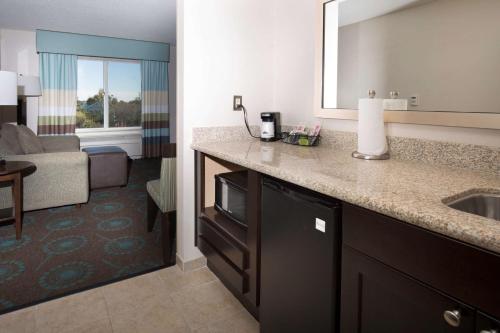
[(191, 265)]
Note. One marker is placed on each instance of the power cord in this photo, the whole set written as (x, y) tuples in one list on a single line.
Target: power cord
[(246, 122)]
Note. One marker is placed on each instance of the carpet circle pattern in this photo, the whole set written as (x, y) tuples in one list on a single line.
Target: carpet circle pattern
[(113, 224), (138, 196), (66, 275), (124, 245), (64, 209), (11, 244), (27, 220), (68, 249), (102, 196), (65, 245), (10, 269), (108, 208), (64, 223)]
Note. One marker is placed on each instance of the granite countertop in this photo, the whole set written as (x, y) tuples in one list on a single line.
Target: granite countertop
[(406, 190)]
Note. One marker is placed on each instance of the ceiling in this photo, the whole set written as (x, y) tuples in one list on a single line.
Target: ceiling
[(151, 20)]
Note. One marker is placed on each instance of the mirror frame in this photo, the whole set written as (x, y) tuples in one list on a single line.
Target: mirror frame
[(439, 118)]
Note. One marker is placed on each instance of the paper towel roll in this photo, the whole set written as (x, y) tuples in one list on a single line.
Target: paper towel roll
[(371, 129)]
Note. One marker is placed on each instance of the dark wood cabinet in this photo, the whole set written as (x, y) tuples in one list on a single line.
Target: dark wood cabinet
[(376, 298), (232, 250), (233, 278), (464, 271), (397, 277)]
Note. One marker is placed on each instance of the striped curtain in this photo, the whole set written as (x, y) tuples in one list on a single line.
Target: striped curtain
[(154, 107), (57, 108)]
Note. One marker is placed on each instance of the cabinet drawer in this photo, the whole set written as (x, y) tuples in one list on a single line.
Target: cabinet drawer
[(464, 271), (377, 298), (222, 268), (236, 255)]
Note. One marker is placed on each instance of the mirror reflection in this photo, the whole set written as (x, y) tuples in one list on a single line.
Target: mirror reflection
[(432, 55)]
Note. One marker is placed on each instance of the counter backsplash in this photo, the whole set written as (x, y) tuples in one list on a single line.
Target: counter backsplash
[(456, 155)]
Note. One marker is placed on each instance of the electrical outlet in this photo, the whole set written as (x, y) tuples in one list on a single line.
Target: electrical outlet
[(237, 103), (415, 100)]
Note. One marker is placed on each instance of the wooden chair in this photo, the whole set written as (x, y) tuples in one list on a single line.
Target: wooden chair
[(162, 197)]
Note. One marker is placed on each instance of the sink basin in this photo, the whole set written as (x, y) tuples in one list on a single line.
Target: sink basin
[(483, 204)]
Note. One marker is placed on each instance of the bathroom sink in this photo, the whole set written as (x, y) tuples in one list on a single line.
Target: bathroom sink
[(483, 204)]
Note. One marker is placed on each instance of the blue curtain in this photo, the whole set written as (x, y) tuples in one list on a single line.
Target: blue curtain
[(154, 107), (57, 111)]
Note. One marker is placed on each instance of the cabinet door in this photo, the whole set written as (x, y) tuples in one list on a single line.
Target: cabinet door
[(486, 324), (376, 298)]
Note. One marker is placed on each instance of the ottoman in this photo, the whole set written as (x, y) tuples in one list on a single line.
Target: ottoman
[(108, 166)]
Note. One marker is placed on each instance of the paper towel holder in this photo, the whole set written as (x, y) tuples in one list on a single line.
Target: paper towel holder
[(384, 156)]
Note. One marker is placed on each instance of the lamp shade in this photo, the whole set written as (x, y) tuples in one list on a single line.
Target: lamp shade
[(28, 86), (8, 88)]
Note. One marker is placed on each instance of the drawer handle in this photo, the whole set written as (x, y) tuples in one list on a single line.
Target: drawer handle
[(489, 331), (452, 317)]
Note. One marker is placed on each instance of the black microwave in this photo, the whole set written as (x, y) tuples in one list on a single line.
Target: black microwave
[(231, 195)]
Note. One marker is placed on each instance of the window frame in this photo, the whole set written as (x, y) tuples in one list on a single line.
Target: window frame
[(105, 66)]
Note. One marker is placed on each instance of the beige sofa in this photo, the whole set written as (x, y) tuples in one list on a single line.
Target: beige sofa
[(61, 176)]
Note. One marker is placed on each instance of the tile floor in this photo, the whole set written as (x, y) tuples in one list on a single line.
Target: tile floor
[(167, 300)]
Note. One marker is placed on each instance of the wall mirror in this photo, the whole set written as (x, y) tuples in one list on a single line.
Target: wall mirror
[(440, 56)]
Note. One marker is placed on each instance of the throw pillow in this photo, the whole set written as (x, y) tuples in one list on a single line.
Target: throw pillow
[(10, 139), (30, 143)]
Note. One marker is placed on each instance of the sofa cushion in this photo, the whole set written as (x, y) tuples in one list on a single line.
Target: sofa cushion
[(30, 143), (9, 140), (60, 143), (5, 149), (60, 179)]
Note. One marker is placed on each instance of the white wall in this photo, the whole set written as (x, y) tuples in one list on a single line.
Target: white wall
[(294, 60), (18, 54), (224, 47)]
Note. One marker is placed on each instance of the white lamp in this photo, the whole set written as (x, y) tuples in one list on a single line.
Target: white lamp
[(28, 86), (8, 88)]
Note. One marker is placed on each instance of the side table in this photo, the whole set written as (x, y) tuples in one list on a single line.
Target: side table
[(14, 171)]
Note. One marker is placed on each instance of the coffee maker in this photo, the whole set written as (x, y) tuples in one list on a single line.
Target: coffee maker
[(271, 126)]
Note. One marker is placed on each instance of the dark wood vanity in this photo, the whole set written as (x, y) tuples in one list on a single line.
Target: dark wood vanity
[(395, 277)]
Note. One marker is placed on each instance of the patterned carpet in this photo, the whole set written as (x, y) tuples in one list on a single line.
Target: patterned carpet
[(68, 249)]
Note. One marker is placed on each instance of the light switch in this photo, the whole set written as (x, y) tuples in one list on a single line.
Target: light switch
[(320, 225)]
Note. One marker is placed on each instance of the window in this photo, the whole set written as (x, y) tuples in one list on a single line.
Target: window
[(109, 93)]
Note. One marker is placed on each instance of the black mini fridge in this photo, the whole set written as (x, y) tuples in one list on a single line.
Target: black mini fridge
[(300, 260)]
